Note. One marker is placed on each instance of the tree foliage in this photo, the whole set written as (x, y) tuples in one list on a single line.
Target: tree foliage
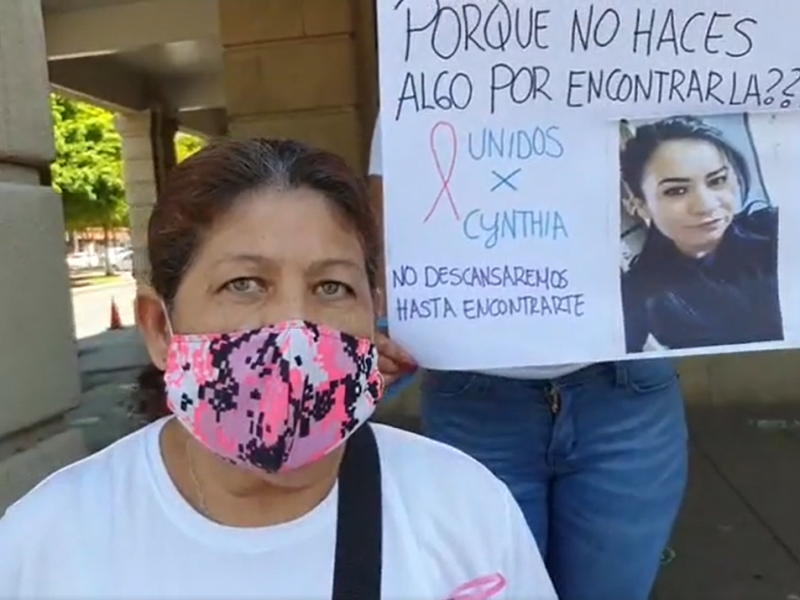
[(186, 145), (88, 167)]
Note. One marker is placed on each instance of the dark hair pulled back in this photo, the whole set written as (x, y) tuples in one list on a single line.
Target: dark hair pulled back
[(638, 150), (204, 187)]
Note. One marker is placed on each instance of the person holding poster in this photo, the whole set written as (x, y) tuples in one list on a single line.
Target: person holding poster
[(707, 273), (596, 455)]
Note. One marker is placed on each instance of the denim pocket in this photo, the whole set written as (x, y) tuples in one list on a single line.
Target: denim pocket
[(650, 376), (447, 384)]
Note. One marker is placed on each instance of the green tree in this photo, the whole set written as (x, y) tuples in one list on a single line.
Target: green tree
[(186, 145), (88, 167)]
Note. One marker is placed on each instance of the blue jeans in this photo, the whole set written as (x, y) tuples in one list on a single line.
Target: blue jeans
[(597, 460)]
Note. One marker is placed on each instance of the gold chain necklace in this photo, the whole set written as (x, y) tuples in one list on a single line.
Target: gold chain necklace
[(198, 488)]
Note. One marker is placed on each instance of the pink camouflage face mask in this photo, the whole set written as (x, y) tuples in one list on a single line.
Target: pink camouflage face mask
[(275, 398)]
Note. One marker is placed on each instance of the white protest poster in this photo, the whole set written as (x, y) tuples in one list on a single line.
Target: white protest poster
[(570, 181)]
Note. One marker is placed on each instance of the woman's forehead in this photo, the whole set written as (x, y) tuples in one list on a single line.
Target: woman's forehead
[(283, 224), (687, 156)]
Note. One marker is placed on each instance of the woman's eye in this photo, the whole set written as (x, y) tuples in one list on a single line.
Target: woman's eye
[(334, 289), (675, 191), (718, 181), (244, 285)]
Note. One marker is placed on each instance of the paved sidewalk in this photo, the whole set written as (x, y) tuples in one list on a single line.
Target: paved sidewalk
[(92, 307), (123, 282), (110, 363)]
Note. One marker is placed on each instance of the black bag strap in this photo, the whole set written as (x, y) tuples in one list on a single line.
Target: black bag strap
[(359, 527)]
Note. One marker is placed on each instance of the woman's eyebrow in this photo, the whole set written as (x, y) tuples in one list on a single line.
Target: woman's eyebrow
[(674, 180), (721, 171), (331, 263), (671, 180)]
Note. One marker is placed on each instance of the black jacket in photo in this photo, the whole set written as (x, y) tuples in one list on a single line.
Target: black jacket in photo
[(728, 297)]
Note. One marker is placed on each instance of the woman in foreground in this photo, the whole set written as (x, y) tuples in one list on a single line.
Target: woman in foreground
[(267, 482)]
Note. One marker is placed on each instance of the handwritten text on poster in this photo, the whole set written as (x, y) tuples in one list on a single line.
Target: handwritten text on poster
[(686, 56)]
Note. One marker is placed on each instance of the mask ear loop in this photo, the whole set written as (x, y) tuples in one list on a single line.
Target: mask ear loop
[(170, 331)]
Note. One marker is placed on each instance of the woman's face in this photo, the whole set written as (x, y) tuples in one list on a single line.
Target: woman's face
[(691, 193), (277, 256)]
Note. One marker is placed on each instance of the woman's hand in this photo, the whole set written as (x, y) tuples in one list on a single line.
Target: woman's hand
[(393, 361)]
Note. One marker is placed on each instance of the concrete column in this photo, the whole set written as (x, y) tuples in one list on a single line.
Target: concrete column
[(38, 359), (163, 129), (148, 152)]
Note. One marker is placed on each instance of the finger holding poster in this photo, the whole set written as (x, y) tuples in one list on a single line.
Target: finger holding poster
[(520, 140)]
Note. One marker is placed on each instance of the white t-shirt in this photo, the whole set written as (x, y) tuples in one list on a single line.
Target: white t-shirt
[(551, 372), (114, 526)]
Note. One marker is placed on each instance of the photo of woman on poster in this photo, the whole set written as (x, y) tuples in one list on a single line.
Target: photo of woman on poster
[(705, 272)]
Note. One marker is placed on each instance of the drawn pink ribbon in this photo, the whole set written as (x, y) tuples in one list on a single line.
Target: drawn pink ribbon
[(482, 588), (445, 177)]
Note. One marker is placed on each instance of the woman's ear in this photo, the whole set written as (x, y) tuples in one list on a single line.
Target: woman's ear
[(154, 325), (629, 204), (637, 208), (641, 211)]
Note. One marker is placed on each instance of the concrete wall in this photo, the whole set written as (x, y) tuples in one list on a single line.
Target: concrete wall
[(304, 69), (38, 359), (747, 379)]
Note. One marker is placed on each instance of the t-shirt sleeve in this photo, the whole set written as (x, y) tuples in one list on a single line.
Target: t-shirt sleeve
[(10, 559), (375, 153), (524, 570)]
